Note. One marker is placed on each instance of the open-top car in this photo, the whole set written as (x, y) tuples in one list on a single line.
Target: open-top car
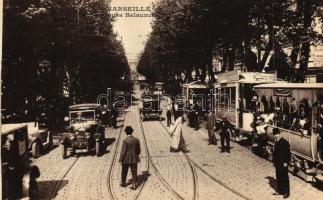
[(85, 131)]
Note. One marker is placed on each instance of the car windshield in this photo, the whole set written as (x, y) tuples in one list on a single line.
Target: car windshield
[(82, 116)]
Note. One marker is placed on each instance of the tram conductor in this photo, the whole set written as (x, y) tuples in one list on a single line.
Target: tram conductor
[(129, 157), (281, 158)]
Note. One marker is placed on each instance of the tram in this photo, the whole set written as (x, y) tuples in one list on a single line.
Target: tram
[(299, 116), (198, 93), (234, 97)]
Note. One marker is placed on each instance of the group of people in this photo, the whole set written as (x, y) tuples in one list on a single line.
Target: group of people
[(223, 128), (129, 155), (289, 114), (193, 113), (109, 117)]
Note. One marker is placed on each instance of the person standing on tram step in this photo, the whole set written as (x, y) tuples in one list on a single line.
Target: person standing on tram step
[(281, 158), (129, 157), (168, 116), (210, 125), (225, 135), (178, 142)]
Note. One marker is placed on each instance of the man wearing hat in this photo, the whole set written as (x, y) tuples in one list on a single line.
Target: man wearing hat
[(225, 135), (281, 158), (129, 157)]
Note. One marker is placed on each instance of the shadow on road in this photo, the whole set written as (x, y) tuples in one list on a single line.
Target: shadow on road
[(46, 188), (109, 141), (140, 178), (272, 182)]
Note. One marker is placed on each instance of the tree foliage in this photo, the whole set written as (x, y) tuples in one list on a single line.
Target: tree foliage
[(51, 54), (188, 34)]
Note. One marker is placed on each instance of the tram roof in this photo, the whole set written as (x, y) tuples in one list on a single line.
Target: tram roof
[(84, 106), (195, 85), (291, 85), (7, 128)]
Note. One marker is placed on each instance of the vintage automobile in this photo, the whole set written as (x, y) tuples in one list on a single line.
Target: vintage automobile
[(150, 107), (85, 131), (40, 138), (18, 176)]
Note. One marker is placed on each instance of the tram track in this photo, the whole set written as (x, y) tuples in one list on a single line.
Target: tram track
[(59, 182), (156, 171), (109, 182), (194, 165), (111, 191)]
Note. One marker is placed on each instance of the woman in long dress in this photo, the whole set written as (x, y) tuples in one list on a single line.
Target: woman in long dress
[(178, 142)]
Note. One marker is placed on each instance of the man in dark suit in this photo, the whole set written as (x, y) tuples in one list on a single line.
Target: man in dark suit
[(129, 157), (210, 124), (281, 158), (225, 135)]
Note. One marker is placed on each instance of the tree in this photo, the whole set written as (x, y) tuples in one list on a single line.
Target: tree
[(46, 52)]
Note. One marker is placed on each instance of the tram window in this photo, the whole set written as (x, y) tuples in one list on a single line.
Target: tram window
[(226, 99), (233, 98)]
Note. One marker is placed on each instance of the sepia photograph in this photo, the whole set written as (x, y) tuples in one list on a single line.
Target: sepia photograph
[(161, 99)]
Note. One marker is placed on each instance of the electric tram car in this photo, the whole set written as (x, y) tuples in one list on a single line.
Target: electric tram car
[(234, 97), (299, 116)]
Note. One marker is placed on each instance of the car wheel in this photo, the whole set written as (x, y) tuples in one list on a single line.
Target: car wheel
[(35, 149), (97, 147), (64, 151), (29, 185)]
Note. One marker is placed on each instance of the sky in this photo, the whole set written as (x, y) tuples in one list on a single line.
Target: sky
[(133, 31)]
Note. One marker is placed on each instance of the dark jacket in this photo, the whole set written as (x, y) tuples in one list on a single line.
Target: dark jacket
[(225, 127), (210, 123), (130, 150), (281, 153)]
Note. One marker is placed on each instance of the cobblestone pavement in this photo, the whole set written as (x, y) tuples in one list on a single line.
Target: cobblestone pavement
[(89, 176), (132, 118), (87, 179), (241, 170), (206, 187), (172, 166)]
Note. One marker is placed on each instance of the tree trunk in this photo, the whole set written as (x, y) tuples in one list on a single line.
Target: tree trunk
[(203, 74), (266, 54), (305, 49), (294, 53), (231, 58), (225, 56)]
